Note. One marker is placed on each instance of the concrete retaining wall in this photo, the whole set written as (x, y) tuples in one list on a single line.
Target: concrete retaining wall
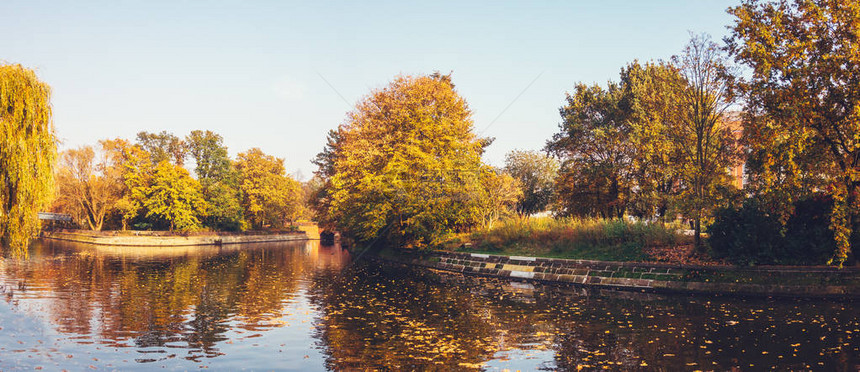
[(760, 281), (168, 241)]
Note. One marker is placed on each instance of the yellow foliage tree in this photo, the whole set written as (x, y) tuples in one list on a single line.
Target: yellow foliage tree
[(83, 189), (132, 165), (405, 164), (28, 150), (173, 198), (268, 195), (499, 195)]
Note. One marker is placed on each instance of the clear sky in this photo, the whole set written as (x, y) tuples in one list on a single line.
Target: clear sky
[(258, 72)]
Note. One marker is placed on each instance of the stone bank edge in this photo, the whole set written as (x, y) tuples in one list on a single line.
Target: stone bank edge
[(170, 241), (777, 281)]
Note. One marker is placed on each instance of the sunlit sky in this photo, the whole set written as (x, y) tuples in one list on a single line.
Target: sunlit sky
[(278, 75)]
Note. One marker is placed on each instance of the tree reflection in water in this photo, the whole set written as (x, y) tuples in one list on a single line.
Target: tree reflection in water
[(395, 318), (216, 305), (174, 297)]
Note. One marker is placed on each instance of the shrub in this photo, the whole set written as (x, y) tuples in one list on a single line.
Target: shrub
[(751, 235), (746, 235), (808, 238)]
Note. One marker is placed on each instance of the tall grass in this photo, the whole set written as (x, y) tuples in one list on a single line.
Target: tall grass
[(583, 238)]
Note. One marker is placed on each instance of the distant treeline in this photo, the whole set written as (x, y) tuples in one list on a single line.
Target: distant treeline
[(144, 185)]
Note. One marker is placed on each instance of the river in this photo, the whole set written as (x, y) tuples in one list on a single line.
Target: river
[(301, 306)]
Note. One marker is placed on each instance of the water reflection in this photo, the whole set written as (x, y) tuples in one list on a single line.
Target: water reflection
[(304, 307), (156, 299), (377, 316)]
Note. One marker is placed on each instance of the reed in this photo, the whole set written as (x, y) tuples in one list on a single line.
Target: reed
[(582, 238)]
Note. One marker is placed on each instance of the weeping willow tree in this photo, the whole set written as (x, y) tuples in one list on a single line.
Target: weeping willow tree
[(28, 150)]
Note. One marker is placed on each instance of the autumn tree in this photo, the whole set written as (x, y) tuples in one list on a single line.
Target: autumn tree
[(218, 179), (133, 166), (593, 144), (404, 166), (659, 139), (700, 132), (804, 98), (83, 190), (27, 154), (163, 146), (616, 151), (320, 199), (310, 192), (154, 195), (499, 196), (173, 198), (652, 90), (536, 173), (269, 197)]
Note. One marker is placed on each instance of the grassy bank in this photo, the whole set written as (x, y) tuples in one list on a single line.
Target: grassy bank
[(593, 239)]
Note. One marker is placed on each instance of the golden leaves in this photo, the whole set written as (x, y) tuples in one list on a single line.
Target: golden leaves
[(269, 196), (404, 164), (27, 154), (174, 197), (805, 65)]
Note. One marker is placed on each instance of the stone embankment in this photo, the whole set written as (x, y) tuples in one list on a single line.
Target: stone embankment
[(146, 239), (791, 281)]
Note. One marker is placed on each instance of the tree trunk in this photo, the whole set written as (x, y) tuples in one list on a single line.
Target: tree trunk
[(615, 199), (697, 233), (100, 220), (91, 217), (661, 213), (853, 220)]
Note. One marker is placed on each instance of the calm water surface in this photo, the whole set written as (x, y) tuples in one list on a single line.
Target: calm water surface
[(299, 306)]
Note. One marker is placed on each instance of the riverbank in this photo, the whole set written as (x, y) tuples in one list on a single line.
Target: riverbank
[(783, 281), (301, 299), (576, 238), (151, 239)]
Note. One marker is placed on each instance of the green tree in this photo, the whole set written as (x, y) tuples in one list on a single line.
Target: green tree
[(404, 165), (617, 152), (320, 199), (218, 178), (173, 198), (804, 99), (269, 196), (162, 146), (536, 173), (28, 150), (652, 91), (209, 154), (594, 144), (659, 139)]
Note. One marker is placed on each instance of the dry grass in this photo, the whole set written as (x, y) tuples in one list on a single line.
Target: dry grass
[(582, 238)]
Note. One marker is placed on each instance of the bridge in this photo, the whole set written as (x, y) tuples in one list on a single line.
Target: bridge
[(49, 216)]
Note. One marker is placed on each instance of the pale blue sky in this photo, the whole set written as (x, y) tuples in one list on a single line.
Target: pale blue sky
[(251, 70)]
